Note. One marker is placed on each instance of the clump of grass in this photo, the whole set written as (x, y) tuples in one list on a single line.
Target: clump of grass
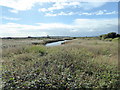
[(108, 39), (116, 39), (36, 49), (24, 57)]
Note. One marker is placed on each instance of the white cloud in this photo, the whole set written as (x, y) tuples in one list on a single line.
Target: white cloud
[(19, 30), (22, 5), (63, 5), (18, 4), (43, 10), (79, 27), (9, 18), (85, 13), (60, 14), (113, 12), (13, 11), (100, 12), (49, 14), (105, 12)]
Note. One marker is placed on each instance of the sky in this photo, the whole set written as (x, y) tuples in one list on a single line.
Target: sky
[(22, 18)]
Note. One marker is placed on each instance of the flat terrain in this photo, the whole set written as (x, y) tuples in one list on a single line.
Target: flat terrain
[(79, 63)]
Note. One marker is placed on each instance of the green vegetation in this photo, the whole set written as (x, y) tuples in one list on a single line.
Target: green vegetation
[(80, 63), (110, 36)]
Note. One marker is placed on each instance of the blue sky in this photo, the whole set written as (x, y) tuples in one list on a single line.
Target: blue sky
[(22, 18)]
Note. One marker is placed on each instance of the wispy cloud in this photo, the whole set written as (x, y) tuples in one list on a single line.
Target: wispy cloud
[(60, 5), (100, 12), (9, 18), (63, 5), (61, 14)]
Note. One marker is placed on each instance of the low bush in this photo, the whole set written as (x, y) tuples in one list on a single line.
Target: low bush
[(109, 35)]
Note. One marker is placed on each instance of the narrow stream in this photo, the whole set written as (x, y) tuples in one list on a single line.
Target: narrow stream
[(55, 43)]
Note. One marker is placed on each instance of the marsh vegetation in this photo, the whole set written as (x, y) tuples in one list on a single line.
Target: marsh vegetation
[(79, 63)]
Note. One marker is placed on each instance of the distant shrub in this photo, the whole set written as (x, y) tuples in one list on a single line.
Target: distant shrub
[(74, 37), (29, 37), (109, 35), (118, 35), (112, 35), (104, 36), (9, 38)]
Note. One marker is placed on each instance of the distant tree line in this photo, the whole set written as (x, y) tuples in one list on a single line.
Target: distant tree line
[(109, 35)]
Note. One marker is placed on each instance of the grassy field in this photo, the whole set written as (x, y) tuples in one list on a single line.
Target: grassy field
[(79, 63)]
